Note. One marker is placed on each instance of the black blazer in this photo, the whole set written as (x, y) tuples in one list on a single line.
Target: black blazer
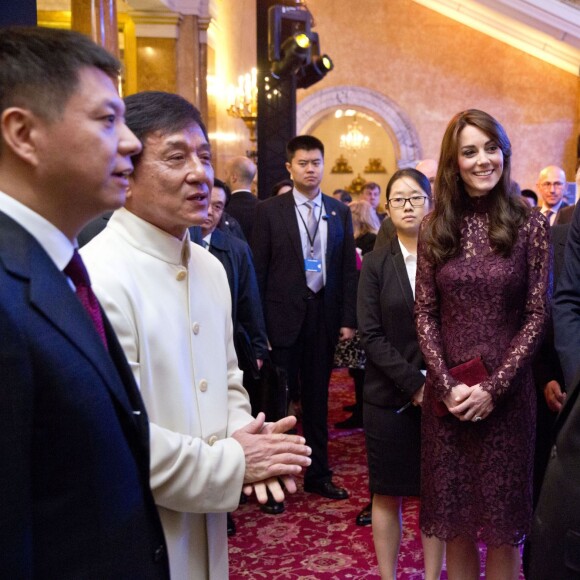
[(387, 329), (74, 439), (247, 315), (567, 305), (564, 215), (546, 365), (93, 228), (242, 207), (555, 537), (279, 265)]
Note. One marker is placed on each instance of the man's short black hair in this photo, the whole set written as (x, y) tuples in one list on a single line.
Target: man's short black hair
[(221, 185), (39, 67), (305, 142)]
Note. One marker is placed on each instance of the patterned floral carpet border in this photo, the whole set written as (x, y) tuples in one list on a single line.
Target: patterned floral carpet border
[(316, 538)]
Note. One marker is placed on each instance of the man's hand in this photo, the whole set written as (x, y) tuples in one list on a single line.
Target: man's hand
[(273, 486), (417, 398), (345, 333), (554, 396), (270, 453)]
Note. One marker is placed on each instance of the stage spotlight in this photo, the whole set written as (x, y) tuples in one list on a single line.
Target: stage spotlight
[(295, 51), (311, 73)]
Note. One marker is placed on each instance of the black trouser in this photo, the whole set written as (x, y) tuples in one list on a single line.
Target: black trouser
[(308, 363)]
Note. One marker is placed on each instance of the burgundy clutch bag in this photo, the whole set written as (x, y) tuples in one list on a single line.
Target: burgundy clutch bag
[(470, 373)]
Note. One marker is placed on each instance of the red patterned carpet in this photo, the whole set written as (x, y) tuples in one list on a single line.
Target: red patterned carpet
[(316, 538)]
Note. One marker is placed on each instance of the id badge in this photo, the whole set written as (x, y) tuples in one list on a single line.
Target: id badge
[(311, 265)]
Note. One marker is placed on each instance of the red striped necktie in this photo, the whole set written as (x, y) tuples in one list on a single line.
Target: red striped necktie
[(77, 272)]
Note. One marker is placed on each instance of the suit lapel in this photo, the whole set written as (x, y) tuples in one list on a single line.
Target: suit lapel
[(332, 228), (51, 295), (288, 217), (402, 275)]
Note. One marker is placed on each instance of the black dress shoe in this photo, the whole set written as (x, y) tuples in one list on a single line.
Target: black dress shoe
[(272, 507), (352, 422), (326, 489), (364, 518), (231, 525)]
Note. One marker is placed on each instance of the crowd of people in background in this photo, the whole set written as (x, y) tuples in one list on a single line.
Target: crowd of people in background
[(136, 406)]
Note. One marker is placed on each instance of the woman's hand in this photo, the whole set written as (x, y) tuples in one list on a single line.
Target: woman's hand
[(477, 405), (457, 395)]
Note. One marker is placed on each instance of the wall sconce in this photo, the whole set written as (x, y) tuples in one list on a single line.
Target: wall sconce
[(243, 104)]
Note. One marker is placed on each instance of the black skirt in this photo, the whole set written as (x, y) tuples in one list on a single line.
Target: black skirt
[(393, 444)]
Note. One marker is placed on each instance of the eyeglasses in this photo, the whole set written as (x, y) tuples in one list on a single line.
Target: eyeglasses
[(415, 201), (548, 184)]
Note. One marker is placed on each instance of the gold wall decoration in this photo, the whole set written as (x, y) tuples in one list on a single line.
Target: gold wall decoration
[(127, 43), (375, 166), (341, 166), (243, 104), (356, 184)]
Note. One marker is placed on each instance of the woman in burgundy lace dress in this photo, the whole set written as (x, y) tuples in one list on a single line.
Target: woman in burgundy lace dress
[(483, 289)]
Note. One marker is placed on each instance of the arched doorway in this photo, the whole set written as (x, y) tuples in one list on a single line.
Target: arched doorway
[(394, 142), (386, 112)]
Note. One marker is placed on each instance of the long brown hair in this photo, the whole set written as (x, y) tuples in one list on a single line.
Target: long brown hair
[(507, 212), (364, 219)]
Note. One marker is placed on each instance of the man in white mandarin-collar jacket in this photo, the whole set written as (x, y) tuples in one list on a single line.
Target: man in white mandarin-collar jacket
[(170, 305)]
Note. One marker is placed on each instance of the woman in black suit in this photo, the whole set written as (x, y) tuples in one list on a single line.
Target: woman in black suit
[(393, 389)]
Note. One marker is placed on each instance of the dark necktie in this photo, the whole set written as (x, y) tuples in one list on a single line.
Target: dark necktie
[(77, 272), (314, 280)]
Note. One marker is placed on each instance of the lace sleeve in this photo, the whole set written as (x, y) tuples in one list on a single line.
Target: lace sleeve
[(526, 342), (428, 322)]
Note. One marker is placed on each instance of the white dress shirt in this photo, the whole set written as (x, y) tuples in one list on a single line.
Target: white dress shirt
[(410, 264), (58, 247)]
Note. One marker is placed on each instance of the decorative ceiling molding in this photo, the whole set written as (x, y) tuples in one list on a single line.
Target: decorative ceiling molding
[(189, 7), (546, 29)]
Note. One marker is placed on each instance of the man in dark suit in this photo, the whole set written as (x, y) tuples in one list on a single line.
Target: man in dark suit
[(564, 216), (74, 443), (550, 393), (239, 174), (250, 338), (556, 531), (552, 188), (304, 255)]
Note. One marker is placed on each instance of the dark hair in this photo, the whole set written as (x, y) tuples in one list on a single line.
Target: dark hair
[(155, 111), (219, 183), (371, 185), (530, 193), (413, 174), (345, 196), (39, 67), (278, 186), (305, 142), (507, 211)]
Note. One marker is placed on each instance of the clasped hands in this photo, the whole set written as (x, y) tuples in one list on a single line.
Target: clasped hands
[(272, 457), (469, 403)]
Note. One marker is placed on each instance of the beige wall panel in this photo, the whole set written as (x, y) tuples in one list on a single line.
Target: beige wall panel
[(156, 64), (434, 67)]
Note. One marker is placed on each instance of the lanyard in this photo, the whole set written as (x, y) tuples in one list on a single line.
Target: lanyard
[(311, 239)]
